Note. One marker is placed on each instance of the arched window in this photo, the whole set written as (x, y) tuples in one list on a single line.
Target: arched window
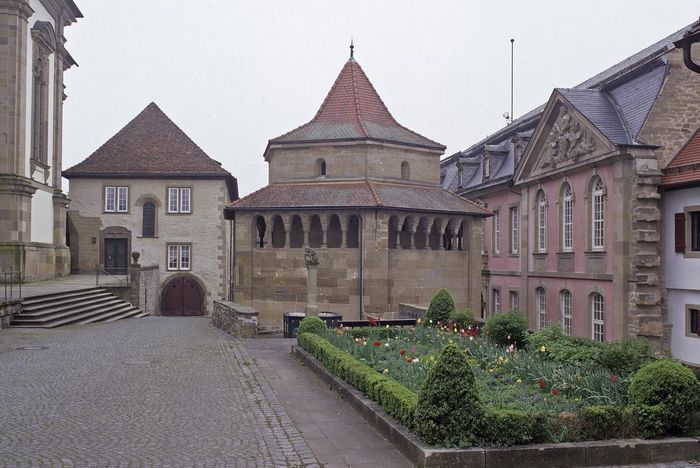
[(597, 317), (566, 311), (353, 236), (405, 170), (541, 307), (541, 234), (296, 238), (598, 215), (148, 224), (279, 235), (320, 167), (335, 233), (260, 229), (567, 219), (315, 232)]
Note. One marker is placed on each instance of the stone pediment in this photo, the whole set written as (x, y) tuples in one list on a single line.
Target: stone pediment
[(562, 138)]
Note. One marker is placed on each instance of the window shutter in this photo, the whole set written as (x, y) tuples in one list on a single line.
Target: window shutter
[(680, 232)]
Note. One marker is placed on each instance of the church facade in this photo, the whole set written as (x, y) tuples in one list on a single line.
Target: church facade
[(364, 192), (33, 59)]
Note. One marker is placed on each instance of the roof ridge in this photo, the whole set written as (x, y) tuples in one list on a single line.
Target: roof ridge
[(618, 111), (374, 193), (358, 112)]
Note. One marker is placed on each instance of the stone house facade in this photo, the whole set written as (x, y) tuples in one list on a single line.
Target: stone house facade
[(151, 190), (363, 191), (576, 235), (33, 59)]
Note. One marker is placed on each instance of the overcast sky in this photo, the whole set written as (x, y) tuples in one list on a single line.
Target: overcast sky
[(233, 74)]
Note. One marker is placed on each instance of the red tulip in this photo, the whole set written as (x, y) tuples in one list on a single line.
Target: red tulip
[(402, 351), (541, 383), (613, 378), (555, 392), (377, 343)]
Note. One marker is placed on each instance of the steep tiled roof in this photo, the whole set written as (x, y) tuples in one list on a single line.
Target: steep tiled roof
[(150, 145), (357, 194), (684, 168), (353, 110)]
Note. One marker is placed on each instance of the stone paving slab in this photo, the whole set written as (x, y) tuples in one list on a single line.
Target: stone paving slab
[(140, 392)]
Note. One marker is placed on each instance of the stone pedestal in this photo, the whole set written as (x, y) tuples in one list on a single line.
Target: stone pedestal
[(311, 290)]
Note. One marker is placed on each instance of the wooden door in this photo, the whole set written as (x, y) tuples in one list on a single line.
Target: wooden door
[(183, 296), (116, 256)]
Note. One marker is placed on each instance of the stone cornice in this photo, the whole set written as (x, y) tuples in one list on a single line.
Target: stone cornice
[(16, 7)]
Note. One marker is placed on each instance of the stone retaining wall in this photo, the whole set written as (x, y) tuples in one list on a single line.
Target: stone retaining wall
[(8, 308), (412, 311), (235, 319)]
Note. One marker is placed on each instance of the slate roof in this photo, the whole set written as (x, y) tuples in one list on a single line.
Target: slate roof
[(353, 111), (357, 194), (684, 168), (598, 108), (151, 145)]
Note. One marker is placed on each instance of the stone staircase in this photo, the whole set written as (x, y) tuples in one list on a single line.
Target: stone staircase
[(77, 307)]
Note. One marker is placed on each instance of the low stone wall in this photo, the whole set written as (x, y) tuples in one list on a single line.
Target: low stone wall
[(235, 319), (144, 286), (412, 311), (8, 308)]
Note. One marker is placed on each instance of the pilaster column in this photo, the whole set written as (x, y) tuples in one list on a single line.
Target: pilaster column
[(325, 219), (427, 227), (287, 220), (344, 221)]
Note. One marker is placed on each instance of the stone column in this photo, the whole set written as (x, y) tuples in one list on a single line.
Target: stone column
[(324, 219), (311, 260), (427, 227), (344, 221), (287, 220)]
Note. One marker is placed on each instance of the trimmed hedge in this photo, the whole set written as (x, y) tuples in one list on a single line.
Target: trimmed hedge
[(600, 422), (501, 427), (313, 325), (396, 399)]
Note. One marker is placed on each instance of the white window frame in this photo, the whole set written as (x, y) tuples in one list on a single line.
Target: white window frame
[(179, 200), (514, 234), (116, 199), (179, 257), (541, 222), (541, 307), (497, 232), (496, 295), (597, 317), (513, 300), (566, 311), (598, 215), (567, 220)]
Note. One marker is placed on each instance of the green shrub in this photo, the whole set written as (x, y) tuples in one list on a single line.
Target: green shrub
[(448, 408), (396, 399), (600, 422), (672, 387), (645, 421), (441, 307), (563, 348), (507, 328), (463, 319), (626, 356), (311, 325), (501, 427)]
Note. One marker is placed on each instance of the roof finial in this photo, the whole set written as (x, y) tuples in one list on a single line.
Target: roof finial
[(352, 48)]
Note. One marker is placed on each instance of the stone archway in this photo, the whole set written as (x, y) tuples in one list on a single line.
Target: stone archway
[(183, 296)]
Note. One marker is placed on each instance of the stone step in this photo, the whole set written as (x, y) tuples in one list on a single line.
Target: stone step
[(86, 302), (85, 317), (131, 313), (40, 299), (105, 315), (52, 314)]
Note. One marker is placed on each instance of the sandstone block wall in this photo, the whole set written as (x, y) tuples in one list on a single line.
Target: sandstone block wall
[(8, 308), (235, 319)]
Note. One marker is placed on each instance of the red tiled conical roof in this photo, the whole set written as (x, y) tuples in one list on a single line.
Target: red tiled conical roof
[(353, 110)]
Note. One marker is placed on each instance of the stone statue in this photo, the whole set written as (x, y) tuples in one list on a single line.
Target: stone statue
[(566, 141), (310, 257)]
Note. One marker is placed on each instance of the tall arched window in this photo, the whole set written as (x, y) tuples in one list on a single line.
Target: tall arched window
[(405, 170), (260, 230), (541, 307), (567, 219), (279, 235), (148, 224), (598, 215), (334, 233), (315, 232), (320, 167), (597, 317), (566, 310), (541, 233), (296, 237)]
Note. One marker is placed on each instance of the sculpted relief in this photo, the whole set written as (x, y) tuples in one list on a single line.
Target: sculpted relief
[(567, 141)]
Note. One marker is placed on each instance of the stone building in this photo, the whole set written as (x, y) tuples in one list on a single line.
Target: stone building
[(150, 189), (33, 58), (364, 192), (576, 232)]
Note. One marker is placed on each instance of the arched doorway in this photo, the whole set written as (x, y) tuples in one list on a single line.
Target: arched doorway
[(183, 296)]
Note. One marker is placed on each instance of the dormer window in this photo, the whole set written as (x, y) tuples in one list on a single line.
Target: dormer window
[(405, 170), (320, 167), (487, 168)]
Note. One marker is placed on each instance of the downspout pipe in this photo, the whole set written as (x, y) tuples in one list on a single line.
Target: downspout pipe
[(361, 250)]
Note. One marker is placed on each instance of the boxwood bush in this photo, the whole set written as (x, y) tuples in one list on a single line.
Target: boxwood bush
[(441, 307), (463, 319), (311, 325), (507, 328), (626, 356)]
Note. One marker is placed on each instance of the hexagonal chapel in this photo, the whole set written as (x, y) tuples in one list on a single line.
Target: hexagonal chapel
[(364, 192)]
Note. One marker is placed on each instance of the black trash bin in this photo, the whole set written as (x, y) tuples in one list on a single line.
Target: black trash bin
[(293, 319)]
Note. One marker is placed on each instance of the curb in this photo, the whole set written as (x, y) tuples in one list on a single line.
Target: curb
[(596, 453)]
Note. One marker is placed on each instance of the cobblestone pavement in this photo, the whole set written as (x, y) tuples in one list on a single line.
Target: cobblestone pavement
[(139, 392)]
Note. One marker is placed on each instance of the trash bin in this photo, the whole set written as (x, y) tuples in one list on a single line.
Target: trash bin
[(293, 319)]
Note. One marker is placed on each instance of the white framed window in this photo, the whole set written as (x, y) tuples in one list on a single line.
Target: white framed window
[(496, 294), (566, 310), (179, 257), (541, 222), (179, 200), (497, 232), (598, 215), (116, 199), (567, 219), (541, 307), (513, 300), (514, 234), (597, 317)]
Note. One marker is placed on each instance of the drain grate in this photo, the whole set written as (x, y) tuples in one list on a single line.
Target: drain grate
[(32, 348)]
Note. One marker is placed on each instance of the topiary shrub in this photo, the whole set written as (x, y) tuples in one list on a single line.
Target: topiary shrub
[(441, 307), (311, 325), (463, 319), (501, 427), (449, 409), (601, 422), (626, 356), (507, 328), (672, 389)]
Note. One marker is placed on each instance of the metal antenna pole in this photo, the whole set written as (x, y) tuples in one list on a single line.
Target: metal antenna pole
[(512, 41)]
